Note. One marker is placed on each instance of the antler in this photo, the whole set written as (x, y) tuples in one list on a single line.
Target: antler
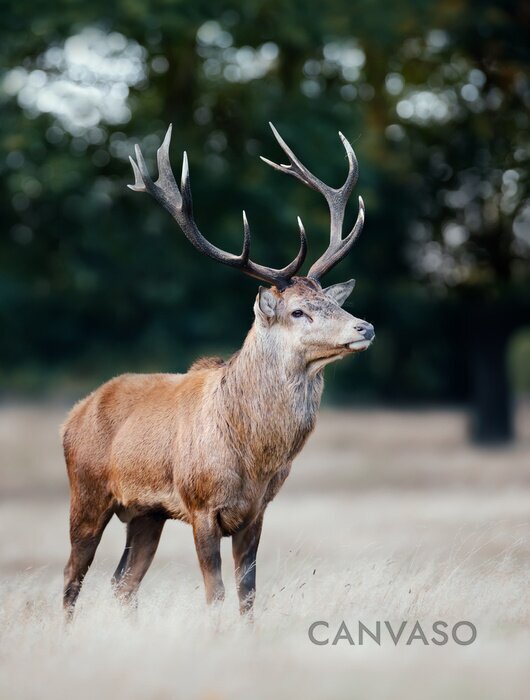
[(179, 204), (336, 199)]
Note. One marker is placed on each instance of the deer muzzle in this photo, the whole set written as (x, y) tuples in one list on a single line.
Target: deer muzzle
[(366, 335)]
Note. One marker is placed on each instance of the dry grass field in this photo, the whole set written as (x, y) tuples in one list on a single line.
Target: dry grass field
[(387, 516)]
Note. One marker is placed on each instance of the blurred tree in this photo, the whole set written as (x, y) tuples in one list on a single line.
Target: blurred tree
[(461, 95), (85, 269), (95, 279)]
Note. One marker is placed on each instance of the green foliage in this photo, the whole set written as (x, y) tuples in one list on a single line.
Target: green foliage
[(95, 279)]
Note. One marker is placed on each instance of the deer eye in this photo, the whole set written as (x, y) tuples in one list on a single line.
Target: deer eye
[(297, 314)]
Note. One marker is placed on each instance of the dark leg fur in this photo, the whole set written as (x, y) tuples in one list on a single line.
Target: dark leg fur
[(245, 548), (143, 536)]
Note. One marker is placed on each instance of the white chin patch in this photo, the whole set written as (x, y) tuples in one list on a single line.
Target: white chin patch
[(360, 345)]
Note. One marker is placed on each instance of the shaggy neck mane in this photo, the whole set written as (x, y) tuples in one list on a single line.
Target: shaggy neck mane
[(267, 401)]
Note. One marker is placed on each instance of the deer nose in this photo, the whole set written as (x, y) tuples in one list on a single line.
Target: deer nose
[(366, 329)]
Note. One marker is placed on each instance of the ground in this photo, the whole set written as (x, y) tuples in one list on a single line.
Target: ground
[(387, 516)]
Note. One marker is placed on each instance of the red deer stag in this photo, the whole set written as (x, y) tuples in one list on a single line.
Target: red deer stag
[(212, 447)]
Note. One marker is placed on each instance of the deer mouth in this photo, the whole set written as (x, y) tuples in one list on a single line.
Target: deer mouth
[(359, 345)]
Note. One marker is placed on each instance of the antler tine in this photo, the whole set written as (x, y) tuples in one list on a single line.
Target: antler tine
[(166, 180), (260, 272), (185, 186), (353, 166), (336, 200), (138, 181), (297, 263), (245, 253), (335, 253), (179, 204), (295, 168)]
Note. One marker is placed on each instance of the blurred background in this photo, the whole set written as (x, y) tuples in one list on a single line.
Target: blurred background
[(434, 96)]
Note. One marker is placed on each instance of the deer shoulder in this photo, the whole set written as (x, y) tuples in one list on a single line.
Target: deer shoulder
[(207, 363)]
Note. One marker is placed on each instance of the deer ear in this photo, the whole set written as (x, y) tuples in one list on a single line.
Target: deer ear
[(266, 302), (340, 292)]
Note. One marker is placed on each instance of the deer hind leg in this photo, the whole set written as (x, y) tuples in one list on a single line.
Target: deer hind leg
[(207, 535), (86, 528), (143, 536), (122, 565)]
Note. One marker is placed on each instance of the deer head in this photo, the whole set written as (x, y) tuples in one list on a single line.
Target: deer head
[(297, 310), (310, 322)]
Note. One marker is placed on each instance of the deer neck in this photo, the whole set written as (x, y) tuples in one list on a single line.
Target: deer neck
[(269, 401)]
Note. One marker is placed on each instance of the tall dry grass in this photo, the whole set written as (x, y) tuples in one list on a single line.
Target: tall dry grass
[(386, 516)]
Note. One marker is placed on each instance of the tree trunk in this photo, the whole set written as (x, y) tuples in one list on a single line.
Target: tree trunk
[(491, 400)]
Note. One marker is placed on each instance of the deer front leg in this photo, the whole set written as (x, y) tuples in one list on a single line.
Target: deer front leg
[(207, 537), (245, 548)]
